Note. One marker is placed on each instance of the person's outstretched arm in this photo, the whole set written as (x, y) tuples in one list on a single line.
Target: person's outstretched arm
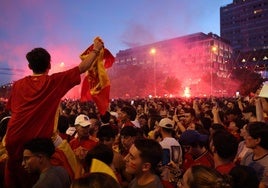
[(89, 60)]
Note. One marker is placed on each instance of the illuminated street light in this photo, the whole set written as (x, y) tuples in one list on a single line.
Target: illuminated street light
[(153, 52)]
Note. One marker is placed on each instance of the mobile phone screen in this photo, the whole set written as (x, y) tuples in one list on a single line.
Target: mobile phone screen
[(166, 156)]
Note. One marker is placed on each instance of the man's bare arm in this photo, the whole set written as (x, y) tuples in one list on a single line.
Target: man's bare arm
[(89, 60)]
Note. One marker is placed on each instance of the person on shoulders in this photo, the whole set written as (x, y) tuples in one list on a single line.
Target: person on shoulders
[(34, 105)]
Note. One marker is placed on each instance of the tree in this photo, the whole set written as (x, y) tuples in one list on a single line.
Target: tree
[(248, 80), (172, 84)]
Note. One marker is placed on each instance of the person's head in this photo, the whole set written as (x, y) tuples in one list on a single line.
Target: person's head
[(127, 135), (198, 127), (192, 141), (143, 120), (224, 144), (216, 127), (100, 152), (249, 113), (82, 124), (94, 126), (189, 115), (153, 121), (37, 153), (199, 176), (105, 118), (231, 115), (166, 126), (106, 135), (230, 105), (96, 180), (127, 113), (256, 135), (244, 177), (39, 60), (144, 156)]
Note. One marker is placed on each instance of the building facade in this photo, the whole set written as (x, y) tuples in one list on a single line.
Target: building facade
[(245, 24), (188, 58)]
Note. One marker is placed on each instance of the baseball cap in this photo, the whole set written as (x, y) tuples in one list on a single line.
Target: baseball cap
[(166, 123), (190, 137), (82, 120)]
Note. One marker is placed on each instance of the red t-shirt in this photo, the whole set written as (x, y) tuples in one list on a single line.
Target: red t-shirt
[(226, 168), (205, 159), (33, 103), (88, 144)]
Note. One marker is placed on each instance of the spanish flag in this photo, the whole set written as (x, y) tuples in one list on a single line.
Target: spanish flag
[(99, 166), (96, 84)]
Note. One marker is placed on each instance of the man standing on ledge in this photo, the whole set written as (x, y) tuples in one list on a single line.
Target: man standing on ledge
[(33, 103)]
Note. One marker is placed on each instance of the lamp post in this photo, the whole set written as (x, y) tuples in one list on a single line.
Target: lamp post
[(152, 52), (212, 52)]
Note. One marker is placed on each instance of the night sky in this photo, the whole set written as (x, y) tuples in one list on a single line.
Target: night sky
[(66, 27)]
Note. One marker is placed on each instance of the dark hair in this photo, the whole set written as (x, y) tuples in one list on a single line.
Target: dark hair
[(39, 60), (190, 111), (96, 180), (106, 131), (201, 129), (153, 119), (63, 124), (206, 122), (42, 146), (100, 152), (194, 139), (216, 127), (244, 177), (143, 116), (250, 108), (71, 119), (225, 144), (105, 118), (150, 151), (259, 130), (128, 131), (130, 111)]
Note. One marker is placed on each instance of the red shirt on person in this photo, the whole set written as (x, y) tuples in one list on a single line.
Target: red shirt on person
[(34, 102), (88, 144), (226, 168), (205, 159)]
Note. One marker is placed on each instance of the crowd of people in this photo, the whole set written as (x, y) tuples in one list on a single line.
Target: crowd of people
[(158, 142), (139, 143)]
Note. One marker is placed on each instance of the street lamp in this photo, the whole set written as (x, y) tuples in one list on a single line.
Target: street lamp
[(152, 52), (212, 52)]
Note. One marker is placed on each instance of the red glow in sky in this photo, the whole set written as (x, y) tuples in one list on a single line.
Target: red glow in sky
[(66, 28)]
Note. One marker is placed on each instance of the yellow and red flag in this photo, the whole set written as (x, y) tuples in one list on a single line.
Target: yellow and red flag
[(99, 166), (96, 84)]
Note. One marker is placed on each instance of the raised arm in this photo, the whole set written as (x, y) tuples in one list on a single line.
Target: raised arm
[(89, 60)]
